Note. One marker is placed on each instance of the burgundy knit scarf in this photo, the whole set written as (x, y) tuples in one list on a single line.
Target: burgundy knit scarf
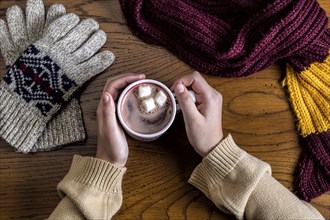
[(235, 38)]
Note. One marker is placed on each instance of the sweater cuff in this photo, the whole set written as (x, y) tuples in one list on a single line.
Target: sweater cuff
[(217, 164), (96, 172)]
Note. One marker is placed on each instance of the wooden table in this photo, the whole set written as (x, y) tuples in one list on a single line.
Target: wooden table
[(256, 112)]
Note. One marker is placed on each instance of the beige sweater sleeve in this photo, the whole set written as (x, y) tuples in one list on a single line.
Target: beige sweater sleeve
[(241, 184), (90, 190)]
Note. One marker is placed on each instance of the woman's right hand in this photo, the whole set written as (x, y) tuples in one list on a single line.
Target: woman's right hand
[(203, 120), (111, 140)]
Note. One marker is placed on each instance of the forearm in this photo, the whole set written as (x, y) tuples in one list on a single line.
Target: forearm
[(242, 185), (91, 189)]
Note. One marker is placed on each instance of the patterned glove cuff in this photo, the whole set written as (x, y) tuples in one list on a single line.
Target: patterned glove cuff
[(21, 125)]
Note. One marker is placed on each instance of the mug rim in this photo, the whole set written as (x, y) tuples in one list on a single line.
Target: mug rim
[(131, 131)]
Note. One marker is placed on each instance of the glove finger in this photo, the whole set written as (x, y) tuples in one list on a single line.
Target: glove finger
[(8, 50), (54, 11), (35, 19), (60, 27), (78, 35), (17, 28), (97, 64), (94, 43)]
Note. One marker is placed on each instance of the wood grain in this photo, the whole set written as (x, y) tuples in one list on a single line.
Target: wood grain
[(256, 112)]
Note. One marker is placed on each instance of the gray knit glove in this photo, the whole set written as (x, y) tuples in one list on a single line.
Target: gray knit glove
[(46, 75), (21, 32), (67, 126)]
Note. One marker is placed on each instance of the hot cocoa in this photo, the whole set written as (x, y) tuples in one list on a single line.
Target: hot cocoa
[(146, 108)]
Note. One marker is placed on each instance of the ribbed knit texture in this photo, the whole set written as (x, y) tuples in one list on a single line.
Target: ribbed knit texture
[(239, 37), (234, 181), (18, 118), (87, 170), (313, 176), (67, 128), (219, 163), (309, 92), (233, 38), (241, 184), (93, 187)]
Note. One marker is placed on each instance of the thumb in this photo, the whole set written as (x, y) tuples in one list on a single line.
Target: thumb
[(108, 110), (187, 105)]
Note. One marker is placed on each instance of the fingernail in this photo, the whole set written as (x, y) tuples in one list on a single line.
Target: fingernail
[(180, 88), (106, 99)]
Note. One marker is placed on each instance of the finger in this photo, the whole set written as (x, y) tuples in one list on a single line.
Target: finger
[(108, 110), (54, 11), (187, 105), (60, 27), (97, 64), (195, 81), (7, 47), (79, 35), (114, 85), (35, 19), (96, 41), (17, 27)]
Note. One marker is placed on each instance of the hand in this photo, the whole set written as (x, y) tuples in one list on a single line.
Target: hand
[(111, 143), (203, 119)]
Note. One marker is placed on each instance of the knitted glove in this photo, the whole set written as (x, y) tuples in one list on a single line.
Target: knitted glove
[(46, 75), (67, 126)]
